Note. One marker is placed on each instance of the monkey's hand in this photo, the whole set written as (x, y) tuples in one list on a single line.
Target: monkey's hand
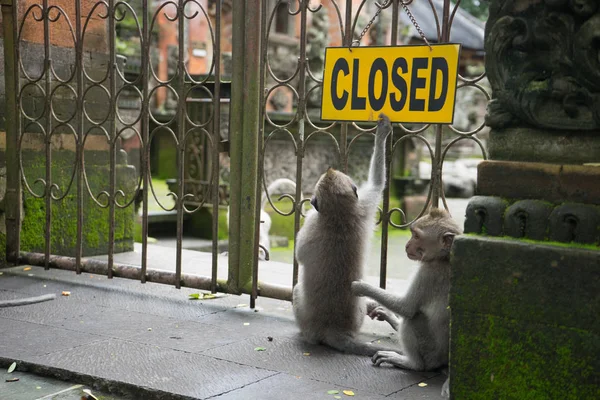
[(359, 288), (390, 357), (384, 128), (380, 313)]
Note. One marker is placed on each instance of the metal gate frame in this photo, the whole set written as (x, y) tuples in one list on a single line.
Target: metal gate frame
[(247, 137)]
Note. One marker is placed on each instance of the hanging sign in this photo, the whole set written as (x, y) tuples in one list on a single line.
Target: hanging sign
[(406, 83)]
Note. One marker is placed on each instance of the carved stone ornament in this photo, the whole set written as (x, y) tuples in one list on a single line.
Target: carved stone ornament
[(543, 63)]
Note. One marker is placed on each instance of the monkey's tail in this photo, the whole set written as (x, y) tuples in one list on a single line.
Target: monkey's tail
[(278, 186), (26, 301), (347, 343)]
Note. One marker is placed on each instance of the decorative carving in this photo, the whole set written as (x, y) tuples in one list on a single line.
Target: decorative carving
[(543, 62), (534, 219)]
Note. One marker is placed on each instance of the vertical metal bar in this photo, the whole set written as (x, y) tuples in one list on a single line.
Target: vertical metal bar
[(145, 122), (113, 139), (12, 119), (215, 149), (236, 109), (436, 170), (80, 136), (301, 123), (180, 136), (261, 143), (385, 216), (48, 137), (250, 143), (344, 126)]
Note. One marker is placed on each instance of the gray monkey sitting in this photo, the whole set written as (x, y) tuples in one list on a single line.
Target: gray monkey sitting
[(331, 248), (424, 329)]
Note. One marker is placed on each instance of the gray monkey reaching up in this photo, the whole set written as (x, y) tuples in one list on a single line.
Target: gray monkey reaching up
[(424, 328), (331, 248)]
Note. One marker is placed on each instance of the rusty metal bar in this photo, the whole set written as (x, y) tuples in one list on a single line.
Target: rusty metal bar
[(80, 136), (145, 127), (181, 122), (236, 109), (261, 144), (347, 41), (113, 136), (249, 178), (436, 170), (215, 148), (385, 211), (301, 126), (47, 130), (13, 198), (127, 271)]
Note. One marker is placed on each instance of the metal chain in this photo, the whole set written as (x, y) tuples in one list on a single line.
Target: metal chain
[(380, 8), (414, 22), (368, 26)]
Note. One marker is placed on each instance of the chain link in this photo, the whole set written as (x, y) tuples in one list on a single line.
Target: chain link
[(380, 8)]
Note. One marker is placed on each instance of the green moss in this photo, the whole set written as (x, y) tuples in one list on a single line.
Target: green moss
[(2, 250), (499, 358), (570, 245)]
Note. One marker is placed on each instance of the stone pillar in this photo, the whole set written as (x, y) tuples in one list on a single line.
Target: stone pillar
[(525, 295)]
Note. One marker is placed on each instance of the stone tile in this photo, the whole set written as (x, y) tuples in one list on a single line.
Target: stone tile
[(433, 390), (323, 364), (189, 336), (31, 386), (114, 323), (173, 371), (24, 339), (259, 323), (284, 386)]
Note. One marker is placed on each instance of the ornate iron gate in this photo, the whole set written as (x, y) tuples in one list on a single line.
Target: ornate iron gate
[(70, 101)]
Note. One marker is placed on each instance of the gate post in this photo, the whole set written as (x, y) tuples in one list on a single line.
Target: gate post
[(13, 197), (244, 130)]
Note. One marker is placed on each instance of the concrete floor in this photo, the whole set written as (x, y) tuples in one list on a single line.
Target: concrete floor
[(149, 341)]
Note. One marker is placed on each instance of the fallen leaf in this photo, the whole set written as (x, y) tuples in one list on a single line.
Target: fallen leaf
[(66, 293), (337, 397), (333, 391), (348, 392), (194, 296), (149, 329), (12, 380), (208, 296), (38, 387), (29, 274), (242, 305), (307, 354), (259, 349), (246, 323), (12, 367), (422, 384), (27, 269)]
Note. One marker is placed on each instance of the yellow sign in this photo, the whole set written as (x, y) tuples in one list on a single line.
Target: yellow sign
[(407, 83)]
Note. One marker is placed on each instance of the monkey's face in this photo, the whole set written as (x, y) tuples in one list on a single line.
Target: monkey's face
[(334, 191), (415, 247)]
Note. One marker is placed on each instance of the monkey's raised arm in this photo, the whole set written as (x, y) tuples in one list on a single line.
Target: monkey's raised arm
[(371, 192), (406, 306)]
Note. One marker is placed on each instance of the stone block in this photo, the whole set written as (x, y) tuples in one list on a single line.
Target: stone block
[(550, 182), (527, 219), (575, 222), (485, 215), (492, 357), (540, 283)]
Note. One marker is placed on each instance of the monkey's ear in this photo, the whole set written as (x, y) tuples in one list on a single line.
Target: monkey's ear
[(448, 239), (313, 201), (355, 189)]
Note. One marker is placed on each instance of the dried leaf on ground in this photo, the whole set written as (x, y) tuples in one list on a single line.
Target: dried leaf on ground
[(333, 391), (422, 384), (306, 354), (12, 380), (348, 392), (12, 367), (66, 293), (27, 269), (259, 349)]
